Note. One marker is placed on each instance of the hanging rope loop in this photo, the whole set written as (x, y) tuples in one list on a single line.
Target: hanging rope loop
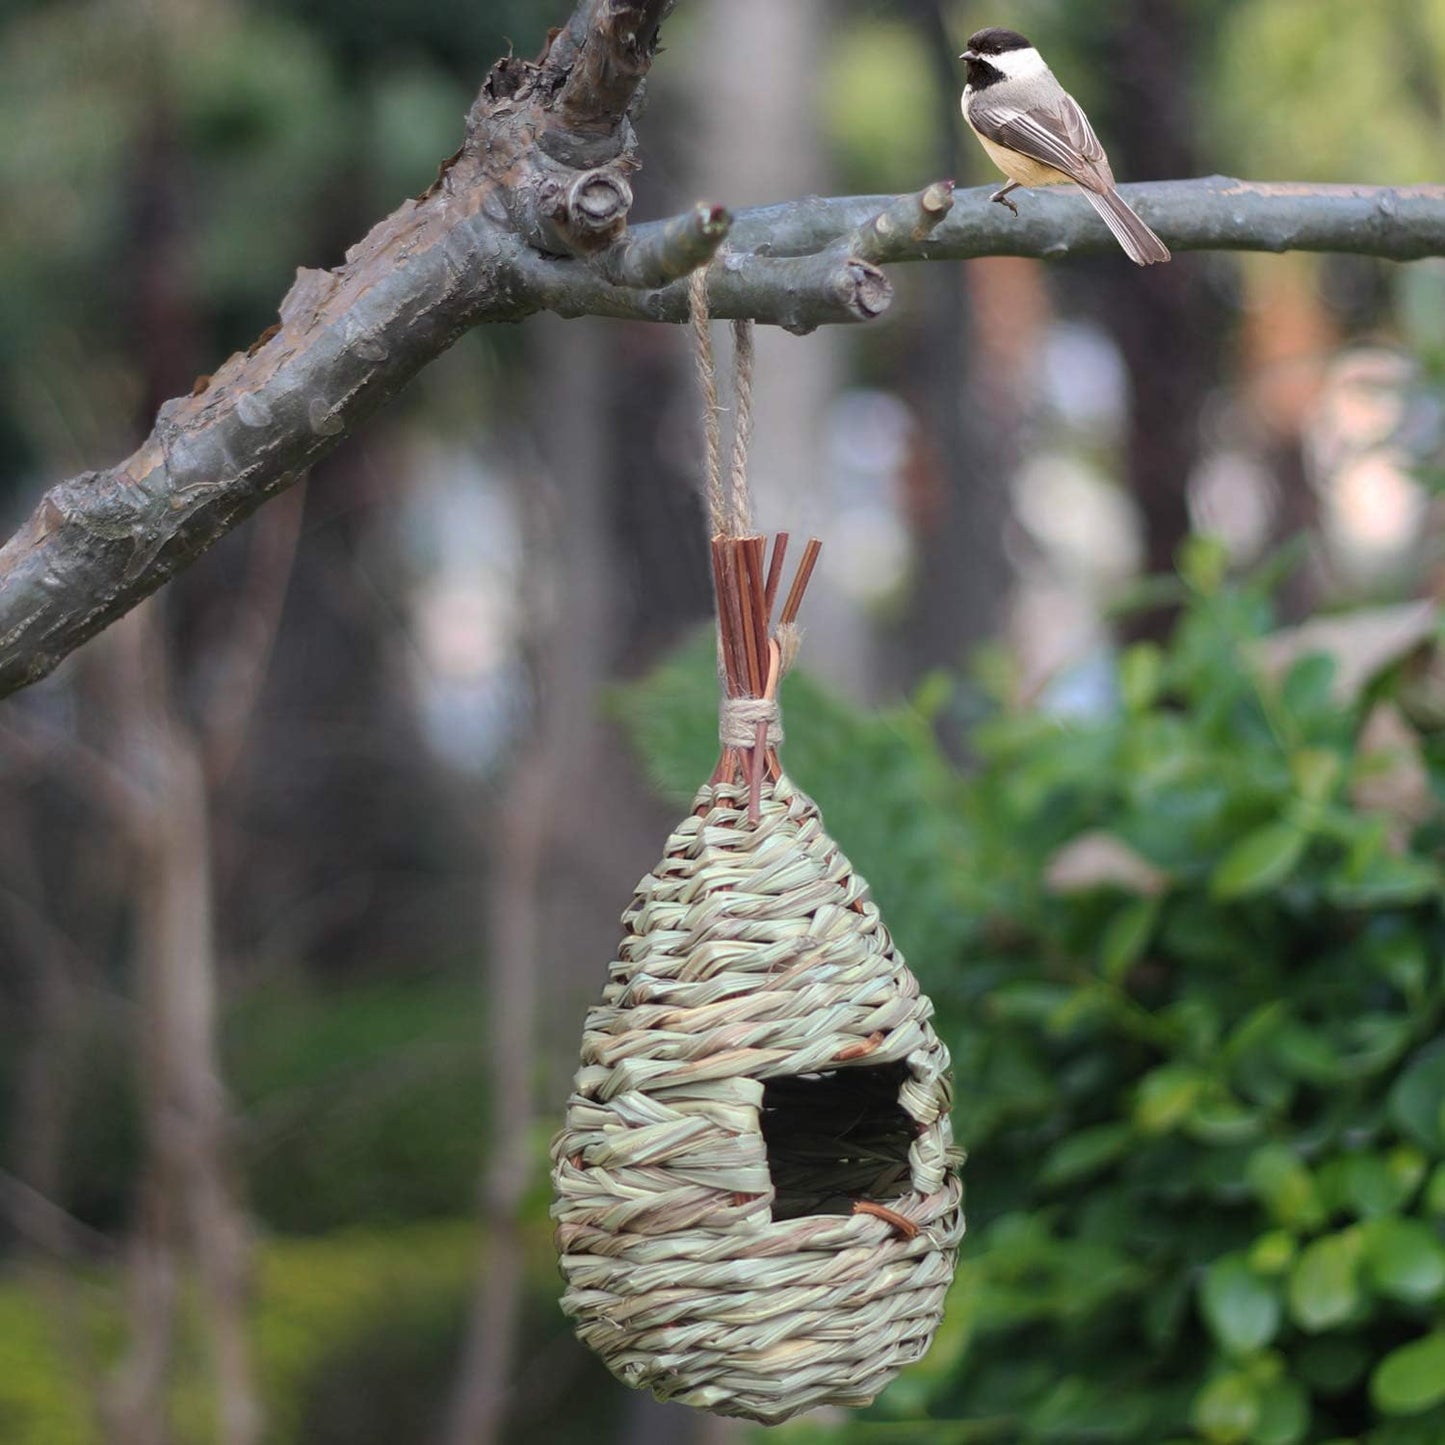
[(752, 656), (711, 412), (730, 507), (740, 499)]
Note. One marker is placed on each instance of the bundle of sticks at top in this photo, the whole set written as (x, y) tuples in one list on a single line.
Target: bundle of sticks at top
[(753, 655)]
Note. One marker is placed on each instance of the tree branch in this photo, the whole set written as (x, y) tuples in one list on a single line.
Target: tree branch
[(1212, 213), (799, 293), (531, 215), (543, 166), (45, 1224)]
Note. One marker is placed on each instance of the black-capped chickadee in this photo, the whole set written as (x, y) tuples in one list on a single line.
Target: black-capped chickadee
[(1035, 133)]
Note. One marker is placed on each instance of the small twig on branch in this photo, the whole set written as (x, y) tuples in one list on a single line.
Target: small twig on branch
[(900, 227), (668, 251)]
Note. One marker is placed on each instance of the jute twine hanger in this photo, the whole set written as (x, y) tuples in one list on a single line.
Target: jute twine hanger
[(753, 658)]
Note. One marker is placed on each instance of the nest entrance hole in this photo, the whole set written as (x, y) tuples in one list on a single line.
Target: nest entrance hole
[(837, 1138)]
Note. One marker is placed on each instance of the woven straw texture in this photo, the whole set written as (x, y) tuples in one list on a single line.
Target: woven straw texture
[(761, 1061)]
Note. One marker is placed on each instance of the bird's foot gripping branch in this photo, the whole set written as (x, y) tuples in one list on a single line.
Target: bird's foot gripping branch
[(532, 214)]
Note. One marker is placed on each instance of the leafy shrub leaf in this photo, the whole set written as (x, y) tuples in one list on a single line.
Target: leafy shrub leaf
[(1241, 1308), (1411, 1378), (1260, 861), (1404, 1260), (1084, 1154), (1284, 1414), (1166, 1097), (1324, 1287), (1417, 1102), (1227, 1410), (1286, 1187)]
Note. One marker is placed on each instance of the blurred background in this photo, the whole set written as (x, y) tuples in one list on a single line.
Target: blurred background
[(309, 868)]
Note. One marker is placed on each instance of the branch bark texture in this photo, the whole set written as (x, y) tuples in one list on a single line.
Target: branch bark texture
[(531, 215), (1211, 213)]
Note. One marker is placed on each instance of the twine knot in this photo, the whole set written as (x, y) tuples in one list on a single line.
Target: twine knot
[(738, 719)]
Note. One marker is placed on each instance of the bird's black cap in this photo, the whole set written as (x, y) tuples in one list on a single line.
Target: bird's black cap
[(995, 40)]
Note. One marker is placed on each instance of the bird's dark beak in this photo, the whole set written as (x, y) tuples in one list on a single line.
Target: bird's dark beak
[(970, 55)]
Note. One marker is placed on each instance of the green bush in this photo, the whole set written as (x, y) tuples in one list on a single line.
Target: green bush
[(356, 1338), (1188, 958), (317, 1303), (39, 1404), (361, 1105), (356, 1105)]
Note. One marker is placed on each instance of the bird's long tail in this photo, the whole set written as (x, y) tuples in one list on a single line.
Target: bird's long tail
[(1140, 244)]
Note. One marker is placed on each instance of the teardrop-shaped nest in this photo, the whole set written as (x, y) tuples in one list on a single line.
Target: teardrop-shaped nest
[(757, 1205)]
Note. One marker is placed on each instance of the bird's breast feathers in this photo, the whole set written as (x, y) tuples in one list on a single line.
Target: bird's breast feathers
[(1019, 167)]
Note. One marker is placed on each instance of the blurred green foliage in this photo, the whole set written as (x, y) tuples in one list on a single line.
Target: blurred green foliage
[(877, 106), (363, 1105), (323, 1302), (316, 1300), (1366, 76), (356, 1338), (1192, 983), (39, 1404)]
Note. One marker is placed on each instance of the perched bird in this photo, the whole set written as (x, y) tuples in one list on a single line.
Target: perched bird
[(1035, 132)]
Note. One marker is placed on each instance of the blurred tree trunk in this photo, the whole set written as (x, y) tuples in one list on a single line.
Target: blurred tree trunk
[(54, 1014), (1166, 320), (521, 830), (657, 523), (55, 1025), (549, 801), (758, 139), (187, 1206), (187, 1209), (964, 457)]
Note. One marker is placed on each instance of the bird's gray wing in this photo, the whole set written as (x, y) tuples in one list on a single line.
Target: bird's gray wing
[(1057, 133)]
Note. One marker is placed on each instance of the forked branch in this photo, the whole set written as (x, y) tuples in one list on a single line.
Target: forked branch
[(531, 215)]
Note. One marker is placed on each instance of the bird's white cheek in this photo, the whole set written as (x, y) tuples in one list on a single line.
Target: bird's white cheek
[(1019, 64)]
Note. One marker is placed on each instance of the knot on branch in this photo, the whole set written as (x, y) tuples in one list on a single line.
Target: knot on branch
[(863, 289), (554, 138), (506, 78), (590, 211)]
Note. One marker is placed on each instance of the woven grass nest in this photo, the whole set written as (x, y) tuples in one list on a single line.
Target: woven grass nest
[(756, 1200)]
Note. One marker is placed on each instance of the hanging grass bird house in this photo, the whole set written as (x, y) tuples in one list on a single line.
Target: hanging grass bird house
[(756, 1200)]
